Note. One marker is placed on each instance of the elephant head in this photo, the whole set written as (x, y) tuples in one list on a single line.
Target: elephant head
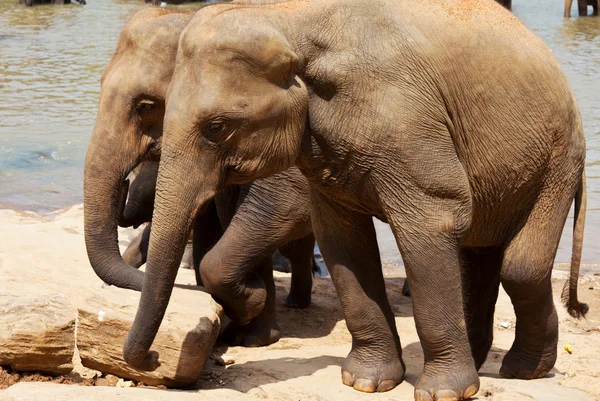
[(127, 131), (236, 112)]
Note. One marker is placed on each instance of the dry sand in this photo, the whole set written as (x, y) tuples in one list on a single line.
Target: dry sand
[(46, 254)]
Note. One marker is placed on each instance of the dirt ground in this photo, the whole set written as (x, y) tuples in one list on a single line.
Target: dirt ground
[(305, 363)]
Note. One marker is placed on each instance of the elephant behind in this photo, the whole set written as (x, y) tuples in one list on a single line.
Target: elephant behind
[(240, 230)]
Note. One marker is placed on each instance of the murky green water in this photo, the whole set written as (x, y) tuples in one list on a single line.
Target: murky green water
[(51, 58)]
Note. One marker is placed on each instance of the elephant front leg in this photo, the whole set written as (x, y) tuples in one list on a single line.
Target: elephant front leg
[(263, 329), (348, 244), (428, 232)]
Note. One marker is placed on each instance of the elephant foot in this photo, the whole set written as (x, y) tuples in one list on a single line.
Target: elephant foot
[(447, 382), (295, 301), (520, 364), (375, 374), (259, 332)]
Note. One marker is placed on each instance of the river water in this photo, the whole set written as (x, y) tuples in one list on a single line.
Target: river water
[(51, 58)]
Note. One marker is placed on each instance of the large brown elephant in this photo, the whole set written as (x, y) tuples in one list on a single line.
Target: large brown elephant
[(582, 7), (463, 135), (243, 226)]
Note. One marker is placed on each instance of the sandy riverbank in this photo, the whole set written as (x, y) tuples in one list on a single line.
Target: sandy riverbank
[(44, 254)]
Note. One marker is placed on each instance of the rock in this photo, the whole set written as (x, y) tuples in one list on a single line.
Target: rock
[(37, 333), (184, 341), (107, 380), (124, 383)]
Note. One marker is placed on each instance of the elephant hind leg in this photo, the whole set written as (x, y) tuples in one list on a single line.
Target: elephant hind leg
[(480, 283), (526, 277), (300, 254)]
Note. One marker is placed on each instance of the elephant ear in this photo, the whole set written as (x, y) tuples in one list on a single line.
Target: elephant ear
[(265, 52), (278, 64)]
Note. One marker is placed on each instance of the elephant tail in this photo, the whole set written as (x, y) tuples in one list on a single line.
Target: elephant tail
[(569, 294)]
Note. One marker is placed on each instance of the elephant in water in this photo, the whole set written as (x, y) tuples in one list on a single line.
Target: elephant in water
[(239, 230), (463, 135), (582, 7)]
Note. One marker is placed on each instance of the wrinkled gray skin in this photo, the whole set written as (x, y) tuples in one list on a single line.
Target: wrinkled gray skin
[(264, 216), (285, 199), (463, 135), (138, 210), (582, 7)]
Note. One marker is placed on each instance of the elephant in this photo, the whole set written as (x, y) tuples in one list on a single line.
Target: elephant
[(582, 6), (463, 135), (244, 225)]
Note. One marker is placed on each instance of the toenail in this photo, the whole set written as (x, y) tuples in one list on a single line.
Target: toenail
[(347, 378), (471, 391), (445, 395), (422, 395), (364, 385), (386, 385)]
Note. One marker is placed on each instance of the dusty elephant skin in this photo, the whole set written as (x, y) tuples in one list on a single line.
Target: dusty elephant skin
[(257, 218), (37, 334), (462, 135), (245, 224)]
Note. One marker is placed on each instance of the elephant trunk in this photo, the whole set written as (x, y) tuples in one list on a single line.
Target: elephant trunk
[(568, 4), (179, 198), (105, 191)]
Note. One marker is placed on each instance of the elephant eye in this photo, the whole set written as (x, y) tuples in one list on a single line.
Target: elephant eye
[(214, 128), (145, 105)]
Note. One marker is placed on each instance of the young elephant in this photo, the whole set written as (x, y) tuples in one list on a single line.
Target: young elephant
[(463, 135), (258, 217)]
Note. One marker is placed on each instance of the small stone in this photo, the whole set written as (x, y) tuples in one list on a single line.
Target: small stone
[(37, 334), (506, 325), (124, 383), (112, 379), (224, 360)]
